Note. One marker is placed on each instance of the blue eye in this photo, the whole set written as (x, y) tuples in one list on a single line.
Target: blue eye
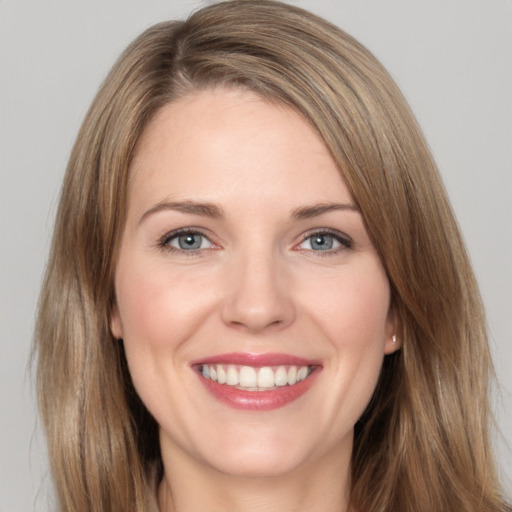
[(186, 241), (324, 242)]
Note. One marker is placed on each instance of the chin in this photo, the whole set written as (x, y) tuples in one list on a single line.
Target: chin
[(262, 453), (257, 465)]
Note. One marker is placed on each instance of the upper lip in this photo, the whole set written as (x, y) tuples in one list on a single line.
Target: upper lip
[(257, 360)]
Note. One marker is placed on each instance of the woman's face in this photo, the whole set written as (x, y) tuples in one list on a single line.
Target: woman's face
[(253, 307)]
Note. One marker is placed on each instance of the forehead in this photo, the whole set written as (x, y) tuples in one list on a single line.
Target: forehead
[(225, 142)]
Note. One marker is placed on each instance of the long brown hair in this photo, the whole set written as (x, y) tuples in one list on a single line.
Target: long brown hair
[(423, 442)]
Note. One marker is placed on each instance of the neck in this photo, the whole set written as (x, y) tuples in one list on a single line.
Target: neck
[(320, 486)]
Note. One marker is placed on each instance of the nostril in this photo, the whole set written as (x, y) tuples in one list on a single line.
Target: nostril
[(256, 320), (252, 326)]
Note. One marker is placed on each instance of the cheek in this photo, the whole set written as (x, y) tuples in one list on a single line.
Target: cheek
[(159, 308), (157, 317), (354, 316), (357, 333), (367, 308), (353, 307), (140, 299)]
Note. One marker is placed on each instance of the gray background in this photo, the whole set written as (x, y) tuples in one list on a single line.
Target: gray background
[(452, 59)]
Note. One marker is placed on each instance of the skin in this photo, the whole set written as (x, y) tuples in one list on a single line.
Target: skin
[(255, 285)]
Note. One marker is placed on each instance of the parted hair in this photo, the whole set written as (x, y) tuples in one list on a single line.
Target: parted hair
[(423, 444)]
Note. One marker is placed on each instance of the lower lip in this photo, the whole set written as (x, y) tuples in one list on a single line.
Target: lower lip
[(259, 400)]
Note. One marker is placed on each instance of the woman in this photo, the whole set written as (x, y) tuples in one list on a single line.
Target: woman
[(257, 296)]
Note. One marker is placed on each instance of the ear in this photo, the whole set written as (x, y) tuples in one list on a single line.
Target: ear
[(115, 323), (393, 332)]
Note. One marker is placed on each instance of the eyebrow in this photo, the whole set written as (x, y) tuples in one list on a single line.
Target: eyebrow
[(216, 212), (203, 209), (307, 212)]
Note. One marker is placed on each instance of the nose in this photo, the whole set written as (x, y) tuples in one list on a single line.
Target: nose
[(258, 294)]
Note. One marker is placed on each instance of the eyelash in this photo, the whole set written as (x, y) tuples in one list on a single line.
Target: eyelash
[(164, 242), (344, 241)]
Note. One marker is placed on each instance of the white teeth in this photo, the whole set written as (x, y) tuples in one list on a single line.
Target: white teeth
[(281, 376), (254, 379), (302, 373), (292, 375), (221, 375), (266, 377), (232, 378), (247, 377)]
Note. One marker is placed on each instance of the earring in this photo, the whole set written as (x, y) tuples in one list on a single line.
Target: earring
[(393, 339)]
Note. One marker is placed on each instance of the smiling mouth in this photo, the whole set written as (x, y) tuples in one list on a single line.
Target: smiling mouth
[(250, 378), (257, 382)]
